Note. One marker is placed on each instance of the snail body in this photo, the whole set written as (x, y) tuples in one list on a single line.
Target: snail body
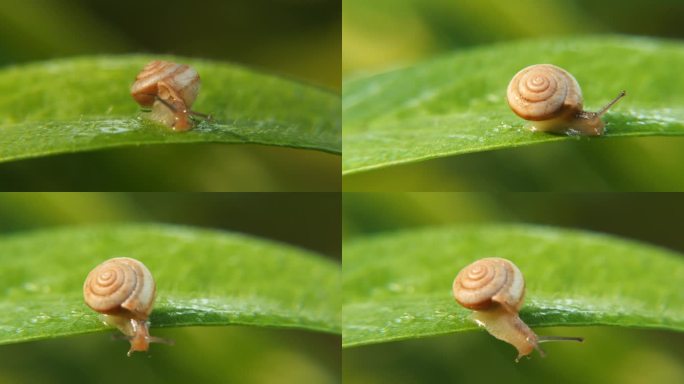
[(494, 288), (123, 291), (169, 89), (551, 98)]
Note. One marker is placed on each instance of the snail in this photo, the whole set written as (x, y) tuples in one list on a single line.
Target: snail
[(123, 290), (169, 89), (551, 98), (494, 289)]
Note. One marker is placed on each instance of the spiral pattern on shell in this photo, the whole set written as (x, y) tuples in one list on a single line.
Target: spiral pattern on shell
[(120, 285), (166, 79), (488, 281), (543, 92)]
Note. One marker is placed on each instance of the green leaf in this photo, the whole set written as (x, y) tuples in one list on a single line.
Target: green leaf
[(398, 286), (456, 104), (81, 104), (203, 278)]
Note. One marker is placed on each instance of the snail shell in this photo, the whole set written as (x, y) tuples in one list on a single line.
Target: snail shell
[(169, 89), (551, 98), (544, 91), (120, 286), (488, 282)]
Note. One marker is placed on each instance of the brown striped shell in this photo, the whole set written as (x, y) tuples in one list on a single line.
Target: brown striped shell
[(166, 79), (490, 282), (120, 286), (543, 92)]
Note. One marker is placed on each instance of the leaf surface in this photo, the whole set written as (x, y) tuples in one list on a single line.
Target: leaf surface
[(456, 104), (398, 285), (203, 278), (81, 104)]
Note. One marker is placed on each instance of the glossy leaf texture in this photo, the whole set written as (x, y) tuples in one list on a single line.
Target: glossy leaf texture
[(456, 104), (203, 277), (398, 285), (81, 104)]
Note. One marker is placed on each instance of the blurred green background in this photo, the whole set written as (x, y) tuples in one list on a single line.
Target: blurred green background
[(609, 355), (299, 39), (382, 35), (236, 354)]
